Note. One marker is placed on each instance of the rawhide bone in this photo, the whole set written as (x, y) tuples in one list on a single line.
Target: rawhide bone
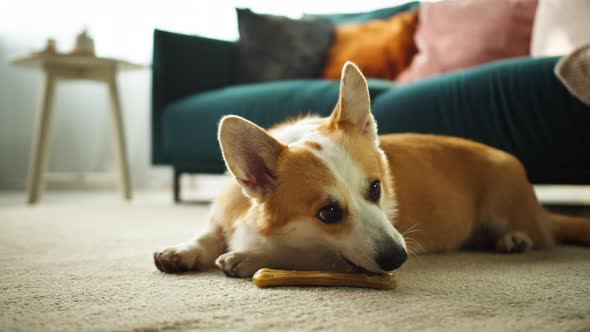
[(264, 278)]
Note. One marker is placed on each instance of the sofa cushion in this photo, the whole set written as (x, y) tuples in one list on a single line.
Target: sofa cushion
[(378, 14), (190, 124), (273, 48), (380, 48), (459, 34)]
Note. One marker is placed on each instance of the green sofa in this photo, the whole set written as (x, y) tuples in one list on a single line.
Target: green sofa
[(516, 105)]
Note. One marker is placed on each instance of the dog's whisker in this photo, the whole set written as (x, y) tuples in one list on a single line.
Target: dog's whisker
[(413, 241), (414, 246), (411, 227), (411, 230), (411, 246), (413, 257)]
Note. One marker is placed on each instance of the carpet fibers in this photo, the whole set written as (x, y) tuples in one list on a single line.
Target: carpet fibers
[(83, 262)]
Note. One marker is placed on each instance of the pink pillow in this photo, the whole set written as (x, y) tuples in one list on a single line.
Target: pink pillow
[(458, 34)]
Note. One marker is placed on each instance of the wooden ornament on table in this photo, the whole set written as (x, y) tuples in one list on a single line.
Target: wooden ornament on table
[(84, 44), (50, 48)]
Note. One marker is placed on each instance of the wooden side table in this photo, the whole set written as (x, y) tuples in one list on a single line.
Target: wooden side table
[(62, 67)]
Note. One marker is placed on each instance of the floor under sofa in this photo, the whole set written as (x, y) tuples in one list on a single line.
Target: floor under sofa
[(82, 261)]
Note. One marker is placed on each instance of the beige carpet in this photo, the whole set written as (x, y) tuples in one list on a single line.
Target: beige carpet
[(83, 262)]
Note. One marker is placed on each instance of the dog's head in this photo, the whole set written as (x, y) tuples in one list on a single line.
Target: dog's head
[(329, 188)]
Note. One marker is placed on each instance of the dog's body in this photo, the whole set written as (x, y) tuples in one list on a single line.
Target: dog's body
[(326, 193)]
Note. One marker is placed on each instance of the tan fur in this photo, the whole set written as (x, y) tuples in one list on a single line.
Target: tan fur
[(313, 145), (570, 229), (234, 205), (447, 187)]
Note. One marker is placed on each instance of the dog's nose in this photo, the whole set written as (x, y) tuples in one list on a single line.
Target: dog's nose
[(392, 259)]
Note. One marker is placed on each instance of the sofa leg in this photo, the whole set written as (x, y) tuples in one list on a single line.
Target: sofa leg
[(177, 175)]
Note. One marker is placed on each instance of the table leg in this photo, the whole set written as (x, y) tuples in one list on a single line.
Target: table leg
[(38, 162), (119, 138)]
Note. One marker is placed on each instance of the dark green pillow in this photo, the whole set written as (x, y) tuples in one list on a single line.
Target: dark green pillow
[(378, 14), (279, 48)]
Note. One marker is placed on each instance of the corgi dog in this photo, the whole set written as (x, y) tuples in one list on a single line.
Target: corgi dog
[(330, 194)]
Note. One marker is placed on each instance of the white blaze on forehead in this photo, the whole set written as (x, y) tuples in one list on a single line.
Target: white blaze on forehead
[(343, 167), (296, 131), (340, 163)]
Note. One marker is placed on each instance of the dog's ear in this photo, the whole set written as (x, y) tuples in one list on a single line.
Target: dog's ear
[(250, 154), (353, 110)]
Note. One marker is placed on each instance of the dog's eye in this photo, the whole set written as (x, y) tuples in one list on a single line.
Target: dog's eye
[(374, 191), (330, 214)]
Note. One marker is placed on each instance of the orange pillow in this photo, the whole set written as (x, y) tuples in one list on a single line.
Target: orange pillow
[(380, 48)]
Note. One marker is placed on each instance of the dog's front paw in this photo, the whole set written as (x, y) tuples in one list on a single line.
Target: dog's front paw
[(514, 242), (181, 258), (237, 264)]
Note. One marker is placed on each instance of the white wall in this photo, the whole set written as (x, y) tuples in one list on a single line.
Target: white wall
[(81, 137)]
